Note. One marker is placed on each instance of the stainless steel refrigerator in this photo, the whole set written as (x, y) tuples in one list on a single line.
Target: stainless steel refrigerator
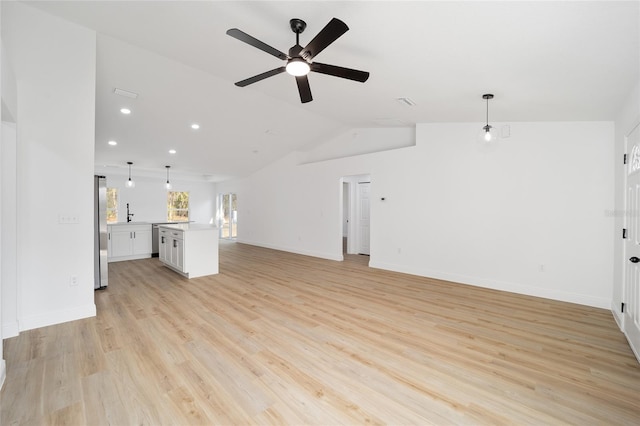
[(101, 270)]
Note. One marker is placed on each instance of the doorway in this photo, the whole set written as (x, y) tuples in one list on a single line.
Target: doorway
[(355, 237), (228, 216), (345, 216)]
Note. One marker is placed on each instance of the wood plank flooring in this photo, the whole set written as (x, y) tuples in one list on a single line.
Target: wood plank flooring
[(278, 338)]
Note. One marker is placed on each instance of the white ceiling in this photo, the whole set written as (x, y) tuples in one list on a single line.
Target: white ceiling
[(543, 60)]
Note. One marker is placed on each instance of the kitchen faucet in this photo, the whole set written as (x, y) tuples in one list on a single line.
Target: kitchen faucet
[(128, 214)]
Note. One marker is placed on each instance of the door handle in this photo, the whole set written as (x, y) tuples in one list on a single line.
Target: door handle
[(634, 259)]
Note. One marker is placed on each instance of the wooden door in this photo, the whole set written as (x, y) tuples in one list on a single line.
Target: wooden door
[(631, 295)]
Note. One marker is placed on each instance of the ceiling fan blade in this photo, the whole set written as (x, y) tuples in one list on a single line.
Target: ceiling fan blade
[(242, 36), (330, 33), (336, 71), (304, 89), (259, 77)]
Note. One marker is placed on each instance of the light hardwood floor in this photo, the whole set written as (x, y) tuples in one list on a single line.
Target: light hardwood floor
[(278, 338)]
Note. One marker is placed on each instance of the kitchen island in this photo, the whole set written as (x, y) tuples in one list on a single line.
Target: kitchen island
[(189, 249)]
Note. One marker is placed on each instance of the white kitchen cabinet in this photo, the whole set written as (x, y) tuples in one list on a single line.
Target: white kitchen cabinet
[(129, 241), (171, 247), (177, 254), (164, 252), (190, 249), (141, 241)]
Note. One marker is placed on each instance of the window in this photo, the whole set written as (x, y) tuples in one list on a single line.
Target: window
[(177, 206), (112, 205)]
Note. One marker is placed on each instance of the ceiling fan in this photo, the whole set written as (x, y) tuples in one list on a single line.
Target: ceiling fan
[(300, 59)]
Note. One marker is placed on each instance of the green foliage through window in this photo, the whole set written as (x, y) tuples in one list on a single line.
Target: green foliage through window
[(177, 206), (112, 205)]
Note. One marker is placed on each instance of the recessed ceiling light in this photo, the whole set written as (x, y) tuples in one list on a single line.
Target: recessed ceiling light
[(172, 151), (195, 126), (125, 110), (112, 143)]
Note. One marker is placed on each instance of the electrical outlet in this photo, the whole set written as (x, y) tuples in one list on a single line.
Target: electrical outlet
[(73, 281)]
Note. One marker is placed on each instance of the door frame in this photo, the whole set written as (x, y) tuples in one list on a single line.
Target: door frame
[(353, 237)]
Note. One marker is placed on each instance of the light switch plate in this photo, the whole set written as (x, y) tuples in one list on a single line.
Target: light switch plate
[(67, 219)]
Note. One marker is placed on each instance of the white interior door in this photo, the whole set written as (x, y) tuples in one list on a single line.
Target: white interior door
[(364, 203), (631, 321)]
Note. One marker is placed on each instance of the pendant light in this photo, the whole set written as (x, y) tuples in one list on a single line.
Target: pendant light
[(130, 183), (489, 132), (168, 184)]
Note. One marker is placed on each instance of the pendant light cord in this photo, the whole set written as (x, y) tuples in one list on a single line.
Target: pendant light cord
[(487, 111)]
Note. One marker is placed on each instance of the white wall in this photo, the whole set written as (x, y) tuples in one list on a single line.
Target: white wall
[(54, 65), (361, 141), (8, 227), (148, 199), (627, 119), (3, 364), (526, 214)]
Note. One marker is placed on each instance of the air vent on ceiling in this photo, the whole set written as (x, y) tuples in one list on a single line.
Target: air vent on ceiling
[(125, 93), (405, 101)]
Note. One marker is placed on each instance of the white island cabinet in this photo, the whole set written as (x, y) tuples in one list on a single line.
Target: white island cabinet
[(128, 241), (189, 249)]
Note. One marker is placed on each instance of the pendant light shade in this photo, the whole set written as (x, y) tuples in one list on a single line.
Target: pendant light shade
[(130, 183), (168, 184), (488, 131)]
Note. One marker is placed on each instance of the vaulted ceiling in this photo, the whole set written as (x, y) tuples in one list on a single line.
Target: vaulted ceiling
[(543, 60)]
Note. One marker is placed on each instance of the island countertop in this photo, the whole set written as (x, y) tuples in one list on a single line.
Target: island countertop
[(190, 226)]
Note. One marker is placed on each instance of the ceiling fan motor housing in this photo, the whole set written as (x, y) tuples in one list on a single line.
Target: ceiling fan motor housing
[(297, 25)]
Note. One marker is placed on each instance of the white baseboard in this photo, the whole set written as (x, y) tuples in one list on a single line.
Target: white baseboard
[(58, 317), (545, 293), (131, 257), (322, 255), (617, 315), (10, 330)]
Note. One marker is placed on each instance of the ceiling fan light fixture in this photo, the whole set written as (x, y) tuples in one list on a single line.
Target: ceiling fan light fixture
[(298, 67), (299, 59)]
